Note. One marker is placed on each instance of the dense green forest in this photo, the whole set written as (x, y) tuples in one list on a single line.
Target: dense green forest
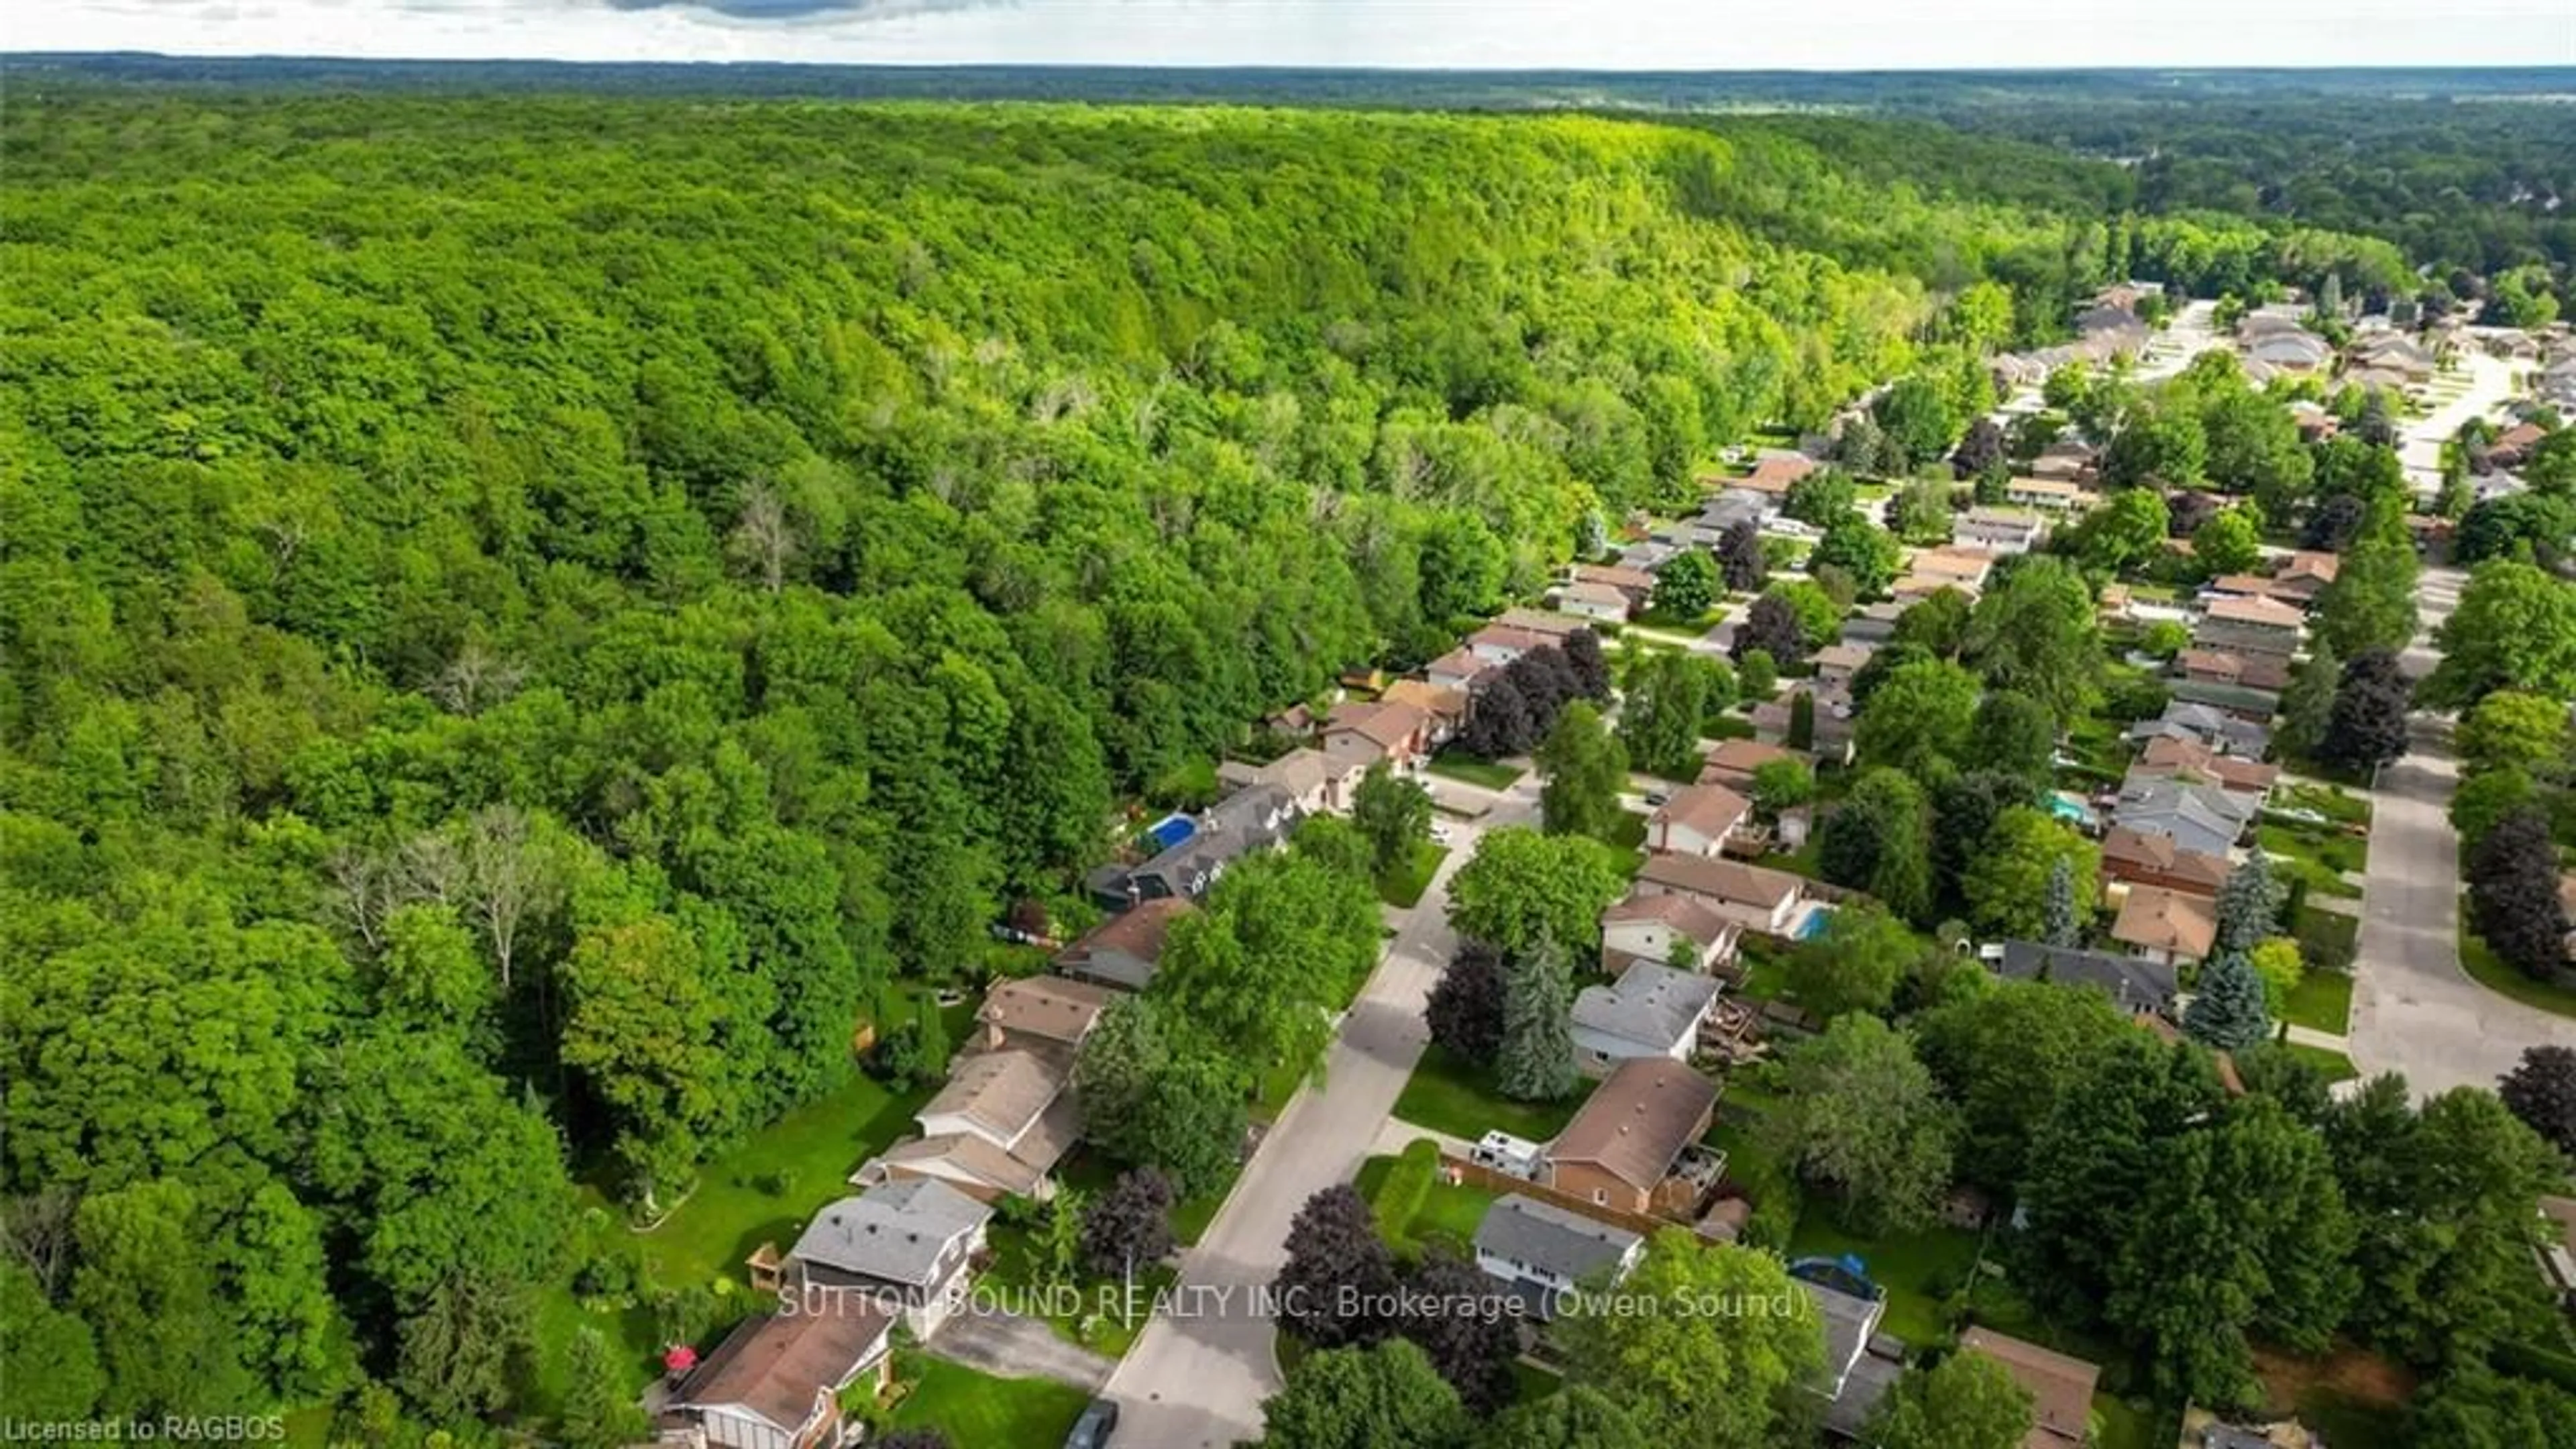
[(2479, 193), (518, 619)]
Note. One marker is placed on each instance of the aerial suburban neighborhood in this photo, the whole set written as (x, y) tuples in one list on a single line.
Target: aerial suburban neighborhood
[(801, 757)]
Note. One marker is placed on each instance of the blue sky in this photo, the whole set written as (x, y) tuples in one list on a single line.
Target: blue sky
[(1591, 34)]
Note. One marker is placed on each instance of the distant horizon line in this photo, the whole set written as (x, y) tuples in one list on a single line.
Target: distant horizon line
[(2566, 68)]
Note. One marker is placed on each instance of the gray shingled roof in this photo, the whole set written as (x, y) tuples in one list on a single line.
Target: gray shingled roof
[(1550, 1239), (1242, 822), (2198, 817), (893, 1233), (2133, 982), (1650, 1003)]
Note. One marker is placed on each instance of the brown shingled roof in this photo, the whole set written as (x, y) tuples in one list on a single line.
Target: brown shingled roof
[(1055, 1008), (1721, 880), (2165, 755), (780, 1366), (2061, 1387), (1712, 810), (1638, 1120), (1137, 931), (1741, 757), (1688, 915), (2157, 919), (2162, 855), (1384, 725), (2257, 610)]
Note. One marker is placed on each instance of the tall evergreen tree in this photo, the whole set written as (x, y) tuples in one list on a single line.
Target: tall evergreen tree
[(2062, 928), (1536, 1060), (2227, 1010), (2249, 905), (2308, 704)]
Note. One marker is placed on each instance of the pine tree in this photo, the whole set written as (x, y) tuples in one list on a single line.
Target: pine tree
[(1536, 1063), (2227, 1012), (596, 1414), (2308, 704), (2249, 906), (2062, 928)]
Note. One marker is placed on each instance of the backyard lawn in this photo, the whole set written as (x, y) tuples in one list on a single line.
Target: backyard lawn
[(1459, 765), (1918, 1270), (1766, 972), (2124, 1425), (2323, 1001), (979, 1411), (1451, 1096), (1402, 887), (761, 1192), (764, 1190), (2495, 975)]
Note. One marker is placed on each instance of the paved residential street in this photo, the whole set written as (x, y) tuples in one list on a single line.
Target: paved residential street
[(2414, 1010), (2490, 383), (2192, 330), (1196, 1381)]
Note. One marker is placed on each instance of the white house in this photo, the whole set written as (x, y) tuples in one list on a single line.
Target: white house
[(1656, 928), (2054, 495), (776, 1380), (1540, 1251), (1752, 896), (1652, 1010), (1593, 601), (906, 1242), (1697, 820)]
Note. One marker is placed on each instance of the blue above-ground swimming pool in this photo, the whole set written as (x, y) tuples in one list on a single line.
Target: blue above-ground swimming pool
[(1814, 925), (1171, 830)]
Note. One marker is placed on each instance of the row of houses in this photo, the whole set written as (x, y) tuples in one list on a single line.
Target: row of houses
[(902, 1250), (2196, 786), (1633, 1152)]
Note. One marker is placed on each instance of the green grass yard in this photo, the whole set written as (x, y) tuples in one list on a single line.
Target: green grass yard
[(1459, 765), (1100, 1324), (981, 1411), (2322, 855), (1455, 1097), (2493, 973), (1920, 1271), (1449, 1212), (2336, 1066), (2322, 1001), (1629, 833), (1766, 971), (2327, 939), (2336, 804), (1402, 887), (762, 1191)]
